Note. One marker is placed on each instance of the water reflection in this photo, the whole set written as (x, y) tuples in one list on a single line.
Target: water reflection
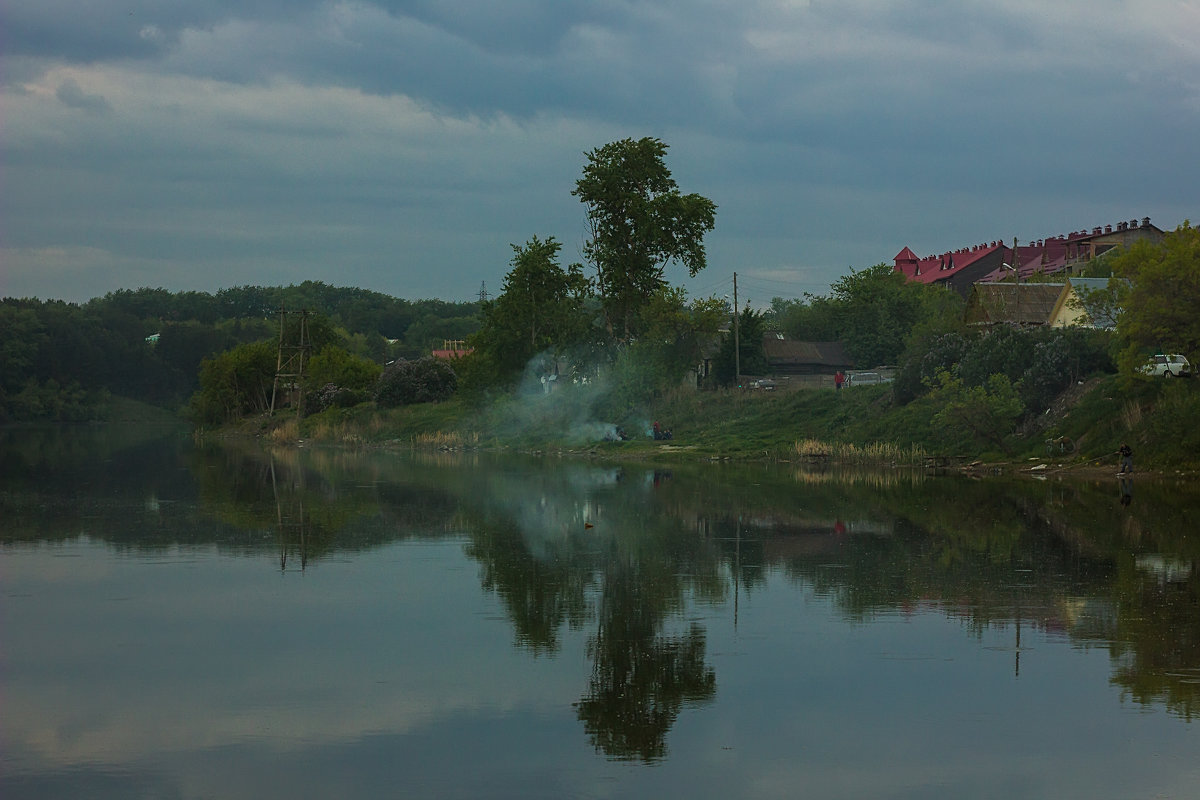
[(620, 550), (631, 559)]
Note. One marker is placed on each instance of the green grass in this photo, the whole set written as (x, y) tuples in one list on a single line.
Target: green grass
[(860, 424)]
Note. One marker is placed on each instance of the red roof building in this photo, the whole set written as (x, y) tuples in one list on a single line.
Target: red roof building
[(993, 262)]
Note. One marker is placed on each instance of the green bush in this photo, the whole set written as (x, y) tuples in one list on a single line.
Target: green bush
[(426, 380), (922, 362), (234, 383), (976, 416), (335, 365), (1171, 435)]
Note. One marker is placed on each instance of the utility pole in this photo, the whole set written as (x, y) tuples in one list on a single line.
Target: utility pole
[(483, 292), (737, 343), (291, 359)]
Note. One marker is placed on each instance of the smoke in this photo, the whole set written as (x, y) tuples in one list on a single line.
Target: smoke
[(556, 402)]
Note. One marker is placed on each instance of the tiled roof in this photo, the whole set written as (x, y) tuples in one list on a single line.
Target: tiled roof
[(827, 354), (1022, 303), (1046, 256), (937, 268)]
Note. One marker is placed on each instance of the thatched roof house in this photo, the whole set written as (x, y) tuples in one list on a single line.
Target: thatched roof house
[(1013, 303)]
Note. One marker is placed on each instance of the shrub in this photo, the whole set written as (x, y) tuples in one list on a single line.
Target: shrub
[(335, 365), (426, 380), (333, 396), (975, 416), (236, 382), (923, 361)]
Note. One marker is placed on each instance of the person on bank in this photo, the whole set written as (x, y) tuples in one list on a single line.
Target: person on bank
[(1126, 454)]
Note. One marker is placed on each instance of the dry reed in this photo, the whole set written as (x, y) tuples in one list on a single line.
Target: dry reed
[(445, 440), (286, 431), (874, 453)]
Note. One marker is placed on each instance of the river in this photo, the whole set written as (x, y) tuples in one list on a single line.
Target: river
[(227, 621)]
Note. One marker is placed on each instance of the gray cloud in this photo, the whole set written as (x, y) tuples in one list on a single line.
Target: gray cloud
[(70, 95), (403, 145)]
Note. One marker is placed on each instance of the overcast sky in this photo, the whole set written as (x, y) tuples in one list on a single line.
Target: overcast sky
[(403, 145)]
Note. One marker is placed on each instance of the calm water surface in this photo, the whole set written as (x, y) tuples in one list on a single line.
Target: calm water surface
[(189, 622)]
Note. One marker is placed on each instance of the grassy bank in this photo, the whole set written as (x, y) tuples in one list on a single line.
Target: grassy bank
[(861, 424)]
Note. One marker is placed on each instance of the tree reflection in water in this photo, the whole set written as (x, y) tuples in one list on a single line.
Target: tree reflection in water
[(641, 677), (623, 554)]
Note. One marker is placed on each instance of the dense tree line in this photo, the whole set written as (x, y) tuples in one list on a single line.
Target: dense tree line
[(60, 361)]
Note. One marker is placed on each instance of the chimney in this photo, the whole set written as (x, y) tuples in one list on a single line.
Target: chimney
[(1145, 222), (1108, 228)]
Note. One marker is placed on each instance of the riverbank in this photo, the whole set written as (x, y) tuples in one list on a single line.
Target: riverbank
[(861, 425)]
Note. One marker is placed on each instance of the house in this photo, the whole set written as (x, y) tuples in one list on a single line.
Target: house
[(1070, 309), (790, 357), (957, 270), (995, 261), (1024, 304)]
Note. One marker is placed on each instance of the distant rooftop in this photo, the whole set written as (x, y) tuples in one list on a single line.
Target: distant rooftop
[(994, 261)]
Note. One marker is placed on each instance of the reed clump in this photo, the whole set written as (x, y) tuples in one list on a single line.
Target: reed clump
[(445, 440), (813, 448), (873, 453), (340, 432), (286, 431)]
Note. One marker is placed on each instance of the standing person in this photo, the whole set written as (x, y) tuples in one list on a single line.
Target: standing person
[(1126, 453), (838, 379)]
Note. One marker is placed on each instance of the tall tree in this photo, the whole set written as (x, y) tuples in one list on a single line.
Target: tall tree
[(751, 358), (639, 222), (538, 310), (1160, 292)]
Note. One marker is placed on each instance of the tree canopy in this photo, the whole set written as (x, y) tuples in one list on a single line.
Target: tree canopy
[(538, 311), (874, 311), (639, 221), (1159, 290)]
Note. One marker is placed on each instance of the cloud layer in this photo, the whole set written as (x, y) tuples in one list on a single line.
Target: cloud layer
[(402, 146)]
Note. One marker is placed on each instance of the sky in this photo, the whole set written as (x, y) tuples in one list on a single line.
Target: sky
[(404, 146)]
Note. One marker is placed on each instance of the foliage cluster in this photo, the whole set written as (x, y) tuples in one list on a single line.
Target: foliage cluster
[(86, 352), (235, 383), (1038, 362), (1157, 287), (639, 222), (426, 380), (750, 359), (874, 312), (625, 328)]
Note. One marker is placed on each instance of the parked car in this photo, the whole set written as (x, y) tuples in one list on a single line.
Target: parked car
[(1171, 365), (766, 384)]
